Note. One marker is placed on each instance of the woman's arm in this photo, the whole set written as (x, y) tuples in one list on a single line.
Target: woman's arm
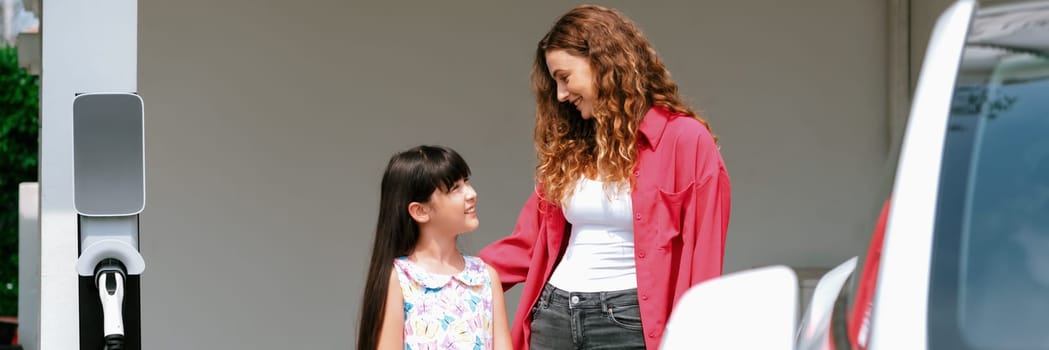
[(511, 255), (707, 216), (708, 221), (391, 336), (500, 325)]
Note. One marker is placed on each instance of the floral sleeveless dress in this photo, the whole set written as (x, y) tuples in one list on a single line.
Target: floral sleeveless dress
[(446, 311)]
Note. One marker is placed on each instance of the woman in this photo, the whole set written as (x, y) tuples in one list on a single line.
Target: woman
[(632, 202)]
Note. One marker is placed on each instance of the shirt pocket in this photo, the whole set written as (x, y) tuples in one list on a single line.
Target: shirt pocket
[(669, 213)]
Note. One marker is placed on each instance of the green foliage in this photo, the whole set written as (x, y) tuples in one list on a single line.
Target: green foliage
[(19, 140)]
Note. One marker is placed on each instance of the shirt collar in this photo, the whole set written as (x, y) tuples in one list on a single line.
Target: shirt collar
[(473, 275), (653, 125)]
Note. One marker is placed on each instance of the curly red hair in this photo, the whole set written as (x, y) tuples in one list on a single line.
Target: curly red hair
[(629, 79)]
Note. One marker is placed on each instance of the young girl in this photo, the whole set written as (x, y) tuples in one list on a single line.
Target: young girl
[(422, 293)]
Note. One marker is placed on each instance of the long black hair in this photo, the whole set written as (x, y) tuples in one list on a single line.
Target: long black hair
[(411, 176)]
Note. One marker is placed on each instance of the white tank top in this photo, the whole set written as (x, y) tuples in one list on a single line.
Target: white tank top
[(600, 253)]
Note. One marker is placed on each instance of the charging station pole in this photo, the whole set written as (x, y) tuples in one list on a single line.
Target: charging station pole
[(89, 206)]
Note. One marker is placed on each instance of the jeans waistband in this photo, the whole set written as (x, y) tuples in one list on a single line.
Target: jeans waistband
[(587, 300)]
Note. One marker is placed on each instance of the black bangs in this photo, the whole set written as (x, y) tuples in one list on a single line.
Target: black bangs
[(422, 170), (445, 166)]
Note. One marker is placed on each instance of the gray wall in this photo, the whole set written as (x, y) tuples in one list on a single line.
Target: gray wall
[(269, 122)]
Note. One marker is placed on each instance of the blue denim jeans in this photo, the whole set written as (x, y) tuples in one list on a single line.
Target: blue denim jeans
[(599, 320)]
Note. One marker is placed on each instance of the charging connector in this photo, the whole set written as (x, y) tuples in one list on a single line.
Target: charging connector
[(110, 278)]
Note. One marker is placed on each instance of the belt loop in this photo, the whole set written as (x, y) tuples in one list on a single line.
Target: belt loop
[(543, 296), (604, 301)]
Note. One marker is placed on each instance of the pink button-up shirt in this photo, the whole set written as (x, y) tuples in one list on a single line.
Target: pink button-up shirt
[(681, 212)]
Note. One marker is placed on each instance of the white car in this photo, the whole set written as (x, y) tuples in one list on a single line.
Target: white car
[(965, 259)]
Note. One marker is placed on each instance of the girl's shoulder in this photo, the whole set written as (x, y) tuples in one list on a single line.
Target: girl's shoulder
[(401, 263), (476, 271), (475, 263)]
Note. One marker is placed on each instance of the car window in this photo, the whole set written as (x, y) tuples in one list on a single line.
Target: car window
[(989, 286)]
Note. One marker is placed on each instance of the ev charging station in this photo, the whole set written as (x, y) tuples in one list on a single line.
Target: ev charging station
[(108, 195), (85, 271)]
